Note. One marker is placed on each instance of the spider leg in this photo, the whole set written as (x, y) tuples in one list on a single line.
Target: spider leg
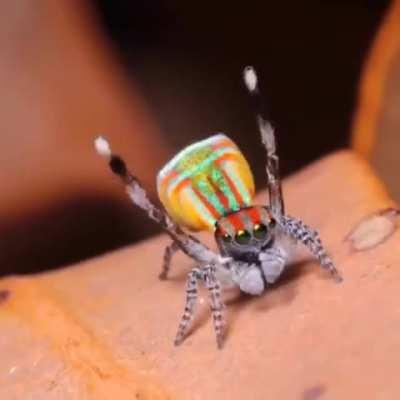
[(272, 167), (206, 275), (191, 297), (187, 243), (169, 252), (216, 305), (298, 230), (268, 139)]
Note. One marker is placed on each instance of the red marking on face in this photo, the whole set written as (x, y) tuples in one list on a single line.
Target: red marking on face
[(220, 231), (254, 214), (235, 221)]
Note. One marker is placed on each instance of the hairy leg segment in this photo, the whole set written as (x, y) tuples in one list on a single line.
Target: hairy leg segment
[(207, 276), (292, 227)]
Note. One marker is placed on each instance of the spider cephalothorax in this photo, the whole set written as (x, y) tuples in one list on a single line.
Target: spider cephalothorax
[(244, 234), (209, 186)]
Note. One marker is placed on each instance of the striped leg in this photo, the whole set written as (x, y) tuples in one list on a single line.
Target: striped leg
[(187, 243), (268, 138), (216, 305), (310, 238), (191, 297), (207, 275), (272, 167), (170, 250)]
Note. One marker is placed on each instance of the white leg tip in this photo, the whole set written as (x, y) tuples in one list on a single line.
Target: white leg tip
[(102, 146), (250, 78)]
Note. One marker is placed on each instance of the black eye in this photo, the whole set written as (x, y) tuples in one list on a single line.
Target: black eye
[(260, 231), (242, 237), (226, 238)]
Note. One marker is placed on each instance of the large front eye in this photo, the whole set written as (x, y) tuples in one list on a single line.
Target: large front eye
[(226, 238), (242, 237), (260, 231)]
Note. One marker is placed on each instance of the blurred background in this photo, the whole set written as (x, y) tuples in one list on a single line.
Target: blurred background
[(154, 76)]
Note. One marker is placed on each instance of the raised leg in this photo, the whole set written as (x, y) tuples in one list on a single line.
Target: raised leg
[(187, 243), (291, 226), (269, 141), (272, 167), (309, 237), (169, 252), (206, 275)]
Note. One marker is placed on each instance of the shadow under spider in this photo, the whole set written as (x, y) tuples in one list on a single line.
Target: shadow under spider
[(282, 293)]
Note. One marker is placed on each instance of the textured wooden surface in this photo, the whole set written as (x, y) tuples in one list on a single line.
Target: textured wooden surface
[(104, 329)]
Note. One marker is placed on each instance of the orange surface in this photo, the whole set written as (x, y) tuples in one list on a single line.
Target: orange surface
[(373, 80), (104, 329), (60, 87)]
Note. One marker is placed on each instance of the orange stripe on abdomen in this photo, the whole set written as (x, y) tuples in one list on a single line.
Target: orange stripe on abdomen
[(171, 174), (232, 186), (214, 212), (221, 196), (222, 143), (220, 162), (178, 188)]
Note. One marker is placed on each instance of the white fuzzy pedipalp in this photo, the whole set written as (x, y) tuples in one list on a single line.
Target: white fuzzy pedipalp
[(251, 282)]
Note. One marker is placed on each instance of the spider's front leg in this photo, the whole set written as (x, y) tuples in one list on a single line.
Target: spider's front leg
[(291, 226), (187, 243), (269, 141), (298, 230), (208, 277)]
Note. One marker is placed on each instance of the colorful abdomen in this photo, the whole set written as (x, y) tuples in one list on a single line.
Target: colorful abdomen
[(204, 182)]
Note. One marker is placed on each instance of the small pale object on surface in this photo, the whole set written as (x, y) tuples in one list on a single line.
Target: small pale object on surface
[(374, 229)]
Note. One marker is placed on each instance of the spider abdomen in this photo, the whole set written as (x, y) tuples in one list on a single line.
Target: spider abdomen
[(204, 182)]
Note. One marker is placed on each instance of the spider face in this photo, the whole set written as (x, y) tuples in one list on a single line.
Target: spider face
[(244, 234)]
